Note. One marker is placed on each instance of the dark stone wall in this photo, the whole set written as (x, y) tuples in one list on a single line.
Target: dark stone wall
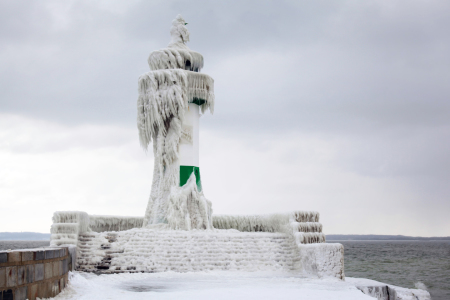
[(31, 273)]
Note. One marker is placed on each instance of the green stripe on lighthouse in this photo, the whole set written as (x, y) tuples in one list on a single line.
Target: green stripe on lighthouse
[(185, 173)]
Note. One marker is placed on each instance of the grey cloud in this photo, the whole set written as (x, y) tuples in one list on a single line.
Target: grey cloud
[(369, 76), (350, 63)]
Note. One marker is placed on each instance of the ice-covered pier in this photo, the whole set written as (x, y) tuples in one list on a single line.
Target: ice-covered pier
[(178, 240)]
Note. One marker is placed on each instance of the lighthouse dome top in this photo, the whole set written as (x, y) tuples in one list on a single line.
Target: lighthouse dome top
[(177, 55)]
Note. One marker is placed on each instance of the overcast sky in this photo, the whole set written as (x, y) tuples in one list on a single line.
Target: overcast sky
[(336, 106)]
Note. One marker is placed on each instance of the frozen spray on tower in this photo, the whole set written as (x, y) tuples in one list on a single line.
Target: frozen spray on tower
[(171, 98)]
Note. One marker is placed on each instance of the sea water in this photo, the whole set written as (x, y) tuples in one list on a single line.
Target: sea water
[(5, 245), (407, 264)]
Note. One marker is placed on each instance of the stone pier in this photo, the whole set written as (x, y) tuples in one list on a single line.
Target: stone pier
[(32, 273)]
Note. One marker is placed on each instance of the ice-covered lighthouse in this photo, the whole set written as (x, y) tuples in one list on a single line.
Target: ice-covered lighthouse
[(171, 98)]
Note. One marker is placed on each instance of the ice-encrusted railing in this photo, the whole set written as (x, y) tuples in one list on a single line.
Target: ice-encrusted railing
[(303, 225), (172, 58), (315, 257), (68, 225), (114, 223)]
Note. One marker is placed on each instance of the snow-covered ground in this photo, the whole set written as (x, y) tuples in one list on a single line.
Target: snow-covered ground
[(207, 285)]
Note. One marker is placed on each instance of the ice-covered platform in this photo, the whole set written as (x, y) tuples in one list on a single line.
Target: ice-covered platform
[(220, 285), (279, 242)]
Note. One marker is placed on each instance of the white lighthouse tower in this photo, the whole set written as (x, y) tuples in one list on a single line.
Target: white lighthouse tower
[(171, 98), (189, 145)]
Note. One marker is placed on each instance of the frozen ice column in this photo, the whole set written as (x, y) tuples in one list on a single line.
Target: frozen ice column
[(171, 97)]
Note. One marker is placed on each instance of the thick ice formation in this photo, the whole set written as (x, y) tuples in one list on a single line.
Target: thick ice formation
[(163, 98), (164, 94), (321, 259), (188, 208), (268, 242)]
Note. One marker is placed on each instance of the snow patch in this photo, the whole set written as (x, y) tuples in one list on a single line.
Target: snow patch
[(207, 285)]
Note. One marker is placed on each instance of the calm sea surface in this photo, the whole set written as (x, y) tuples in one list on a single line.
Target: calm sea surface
[(5, 245), (401, 263)]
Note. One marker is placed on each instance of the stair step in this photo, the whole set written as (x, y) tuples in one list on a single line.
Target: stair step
[(183, 251)]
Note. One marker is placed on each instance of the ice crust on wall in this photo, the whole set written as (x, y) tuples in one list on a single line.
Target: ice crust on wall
[(164, 94), (159, 250), (277, 240), (73, 255), (322, 260)]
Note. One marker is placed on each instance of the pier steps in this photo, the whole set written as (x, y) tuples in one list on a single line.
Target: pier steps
[(146, 250)]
